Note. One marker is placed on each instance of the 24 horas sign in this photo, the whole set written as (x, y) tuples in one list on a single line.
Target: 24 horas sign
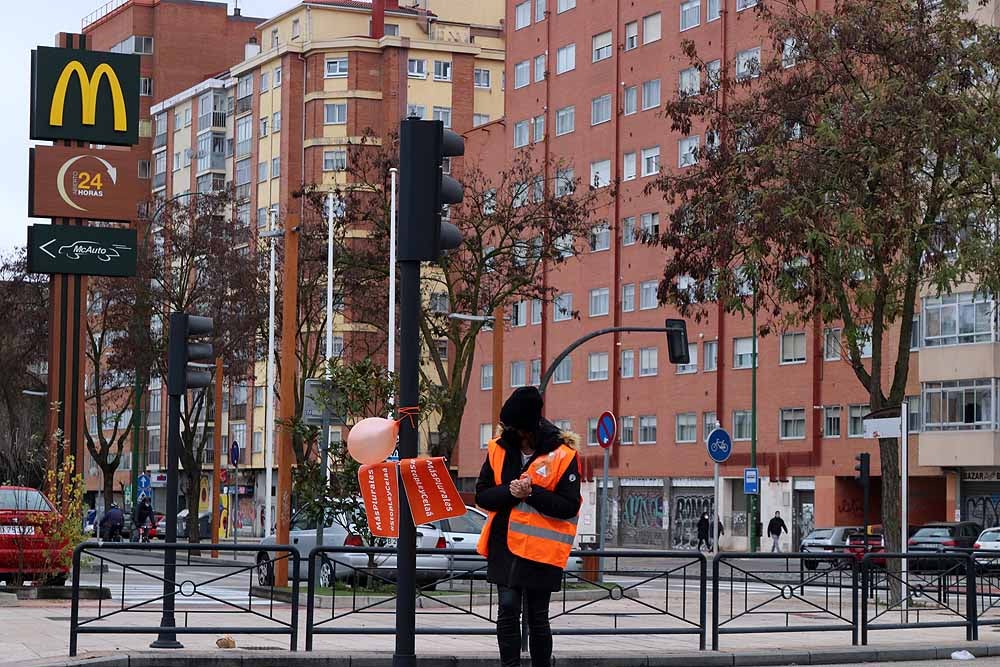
[(70, 182), (90, 96)]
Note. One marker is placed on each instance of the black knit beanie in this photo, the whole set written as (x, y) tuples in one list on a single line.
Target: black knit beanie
[(523, 410)]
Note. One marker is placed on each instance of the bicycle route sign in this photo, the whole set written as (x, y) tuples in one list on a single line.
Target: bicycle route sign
[(719, 445)]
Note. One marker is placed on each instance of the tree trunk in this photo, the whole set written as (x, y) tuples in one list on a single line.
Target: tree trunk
[(889, 458), (108, 477), (193, 495)]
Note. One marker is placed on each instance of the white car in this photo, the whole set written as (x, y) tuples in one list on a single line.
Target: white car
[(989, 540)]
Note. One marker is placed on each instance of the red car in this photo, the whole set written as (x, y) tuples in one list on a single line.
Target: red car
[(25, 548), (876, 544)]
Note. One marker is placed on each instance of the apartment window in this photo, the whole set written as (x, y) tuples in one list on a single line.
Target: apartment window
[(442, 70), (566, 58), (793, 423), (538, 132), (517, 374), (713, 73), (145, 86), (647, 429), (602, 46), (143, 169), (957, 319), (442, 114), (915, 333), (913, 414), (597, 366), (481, 78), (687, 151), (865, 340), (536, 311), (263, 126), (748, 63), (416, 68), (690, 14), (519, 314), (522, 74), (648, 364), (742, 424), (743, 352), (565, 185), (831, 421), (335, 160), (522, 15), (628, 297), (690, 81), (651, 28), (600, 109), (599, 300), (485, 435), (335, 113), (630, 103), (592, 432), (627, 427), (958, 405), (650, 160), (793, 348), (564, 5), (480, 119), (831, 344), (687, 427), (631, 35), (539, 68), (855, 421), (336, 68), (276, 122), (628, 173), (711, 355), (265, 81), (650, 94), (628, 363), (563, 372), (416, 110), (539, 10), (565, 120), (521, 133), (142, 45), (647, 294), (177, 161), (600, 174), (789, 52), (708, 423), (713, 10), (277, 77), (629, 231), (744, 4), (562, 307), (275, 167), (486, 376), (691, 367), (262, 171)]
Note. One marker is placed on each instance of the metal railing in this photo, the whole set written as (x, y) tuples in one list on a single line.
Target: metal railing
[(600, 595), (938, 591), (102, 11), (784, 592), (203, 589)]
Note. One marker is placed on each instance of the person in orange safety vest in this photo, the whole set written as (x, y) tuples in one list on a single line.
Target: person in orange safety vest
[(530, 487)]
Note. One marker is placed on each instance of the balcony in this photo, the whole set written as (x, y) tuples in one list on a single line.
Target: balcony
[(959, 448), (160, 140), (215, 120), (211, 161), (244, 105), (159, 181)]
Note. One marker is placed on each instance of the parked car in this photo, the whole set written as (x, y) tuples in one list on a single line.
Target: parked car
[(204, 524), (25, 548), (941, 537), (302, 535), (875, 544), (825, 541)]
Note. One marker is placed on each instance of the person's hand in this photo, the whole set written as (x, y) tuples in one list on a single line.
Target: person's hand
[(520, 488)]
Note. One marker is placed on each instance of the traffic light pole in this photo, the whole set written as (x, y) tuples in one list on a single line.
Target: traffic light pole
[(168, 637), (409, 368)]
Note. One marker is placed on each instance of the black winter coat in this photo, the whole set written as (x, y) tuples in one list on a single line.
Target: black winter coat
[(503, 567)]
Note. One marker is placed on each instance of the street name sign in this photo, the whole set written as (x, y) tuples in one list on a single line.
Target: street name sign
[(70, 182), (88, 251)]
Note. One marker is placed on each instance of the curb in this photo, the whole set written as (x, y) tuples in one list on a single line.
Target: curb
[(777, 657)]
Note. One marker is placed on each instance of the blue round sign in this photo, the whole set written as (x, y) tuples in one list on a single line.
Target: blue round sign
[(719, 445), (143, 481), (607, 429)]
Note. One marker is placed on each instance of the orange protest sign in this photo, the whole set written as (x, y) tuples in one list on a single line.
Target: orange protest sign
[(380, 491), (431, 493)]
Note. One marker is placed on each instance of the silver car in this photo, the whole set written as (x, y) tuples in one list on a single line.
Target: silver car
[(826, 541)]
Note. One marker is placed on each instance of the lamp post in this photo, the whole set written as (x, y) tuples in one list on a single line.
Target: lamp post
[(269, 401), (497, 316)]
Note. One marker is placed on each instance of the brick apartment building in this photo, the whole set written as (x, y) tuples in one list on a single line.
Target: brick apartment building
[(595, 73)]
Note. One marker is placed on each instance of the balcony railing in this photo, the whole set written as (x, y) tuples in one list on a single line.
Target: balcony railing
[(102, 11), (244, 104), (216, 119), (159, 181), (212, 161), (160, 140)]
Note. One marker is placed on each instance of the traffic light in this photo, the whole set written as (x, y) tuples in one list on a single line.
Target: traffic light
[(862, 468), (424, 189), (677, 341), (183, 351)]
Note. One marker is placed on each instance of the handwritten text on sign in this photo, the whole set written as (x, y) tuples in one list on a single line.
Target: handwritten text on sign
[(380, 490), (430, 490)]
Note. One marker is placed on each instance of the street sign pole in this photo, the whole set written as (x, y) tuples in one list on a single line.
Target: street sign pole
[(714, 528), (607, 430), (604, 499), (904, 428), (719, 445)]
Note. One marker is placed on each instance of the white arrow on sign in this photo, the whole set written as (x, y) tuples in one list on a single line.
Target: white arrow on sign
[(112, 172), (44, 249)]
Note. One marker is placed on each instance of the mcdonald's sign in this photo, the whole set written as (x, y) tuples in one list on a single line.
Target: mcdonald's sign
[(89, 96)]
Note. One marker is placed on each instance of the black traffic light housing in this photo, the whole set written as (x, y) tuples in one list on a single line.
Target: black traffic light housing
[(677, 341), (862, 468), (182, 351), (424, 189)]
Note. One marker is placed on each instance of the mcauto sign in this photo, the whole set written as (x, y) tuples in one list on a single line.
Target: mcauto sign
[(89, 251), (69, 182), (90, 96)]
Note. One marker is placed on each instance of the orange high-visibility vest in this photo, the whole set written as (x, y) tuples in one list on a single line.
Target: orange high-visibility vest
[(531, 534)]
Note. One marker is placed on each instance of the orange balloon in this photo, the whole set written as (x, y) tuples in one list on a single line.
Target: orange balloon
[(372, 440)]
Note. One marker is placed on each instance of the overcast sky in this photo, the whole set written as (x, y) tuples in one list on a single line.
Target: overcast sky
[(26, 25)]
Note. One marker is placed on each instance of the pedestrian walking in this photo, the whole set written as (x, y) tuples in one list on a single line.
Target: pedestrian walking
[(143, 518), (704, 527), (721, 530), (530, 487), (774, 528)]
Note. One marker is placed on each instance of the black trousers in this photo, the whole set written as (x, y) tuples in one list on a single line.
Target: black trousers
[(509, 626)]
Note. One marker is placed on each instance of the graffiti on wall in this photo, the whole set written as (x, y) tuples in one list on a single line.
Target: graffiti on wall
[(984, 510), (640, 516), (687, 509)]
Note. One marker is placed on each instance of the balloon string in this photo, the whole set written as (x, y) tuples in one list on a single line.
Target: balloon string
[(409, 413)]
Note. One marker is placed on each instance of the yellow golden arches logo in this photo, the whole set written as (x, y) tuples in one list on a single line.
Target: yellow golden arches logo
[(89, 86)]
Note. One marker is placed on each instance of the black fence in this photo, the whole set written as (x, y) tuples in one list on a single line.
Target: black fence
[(203, 589), (603, 593), (351, 591)]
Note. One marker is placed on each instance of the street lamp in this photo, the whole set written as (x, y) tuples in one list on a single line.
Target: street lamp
[(40, 394), (269, 404), (496, 317)]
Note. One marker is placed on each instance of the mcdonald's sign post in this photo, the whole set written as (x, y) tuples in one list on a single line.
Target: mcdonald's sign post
[(90, 96)]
